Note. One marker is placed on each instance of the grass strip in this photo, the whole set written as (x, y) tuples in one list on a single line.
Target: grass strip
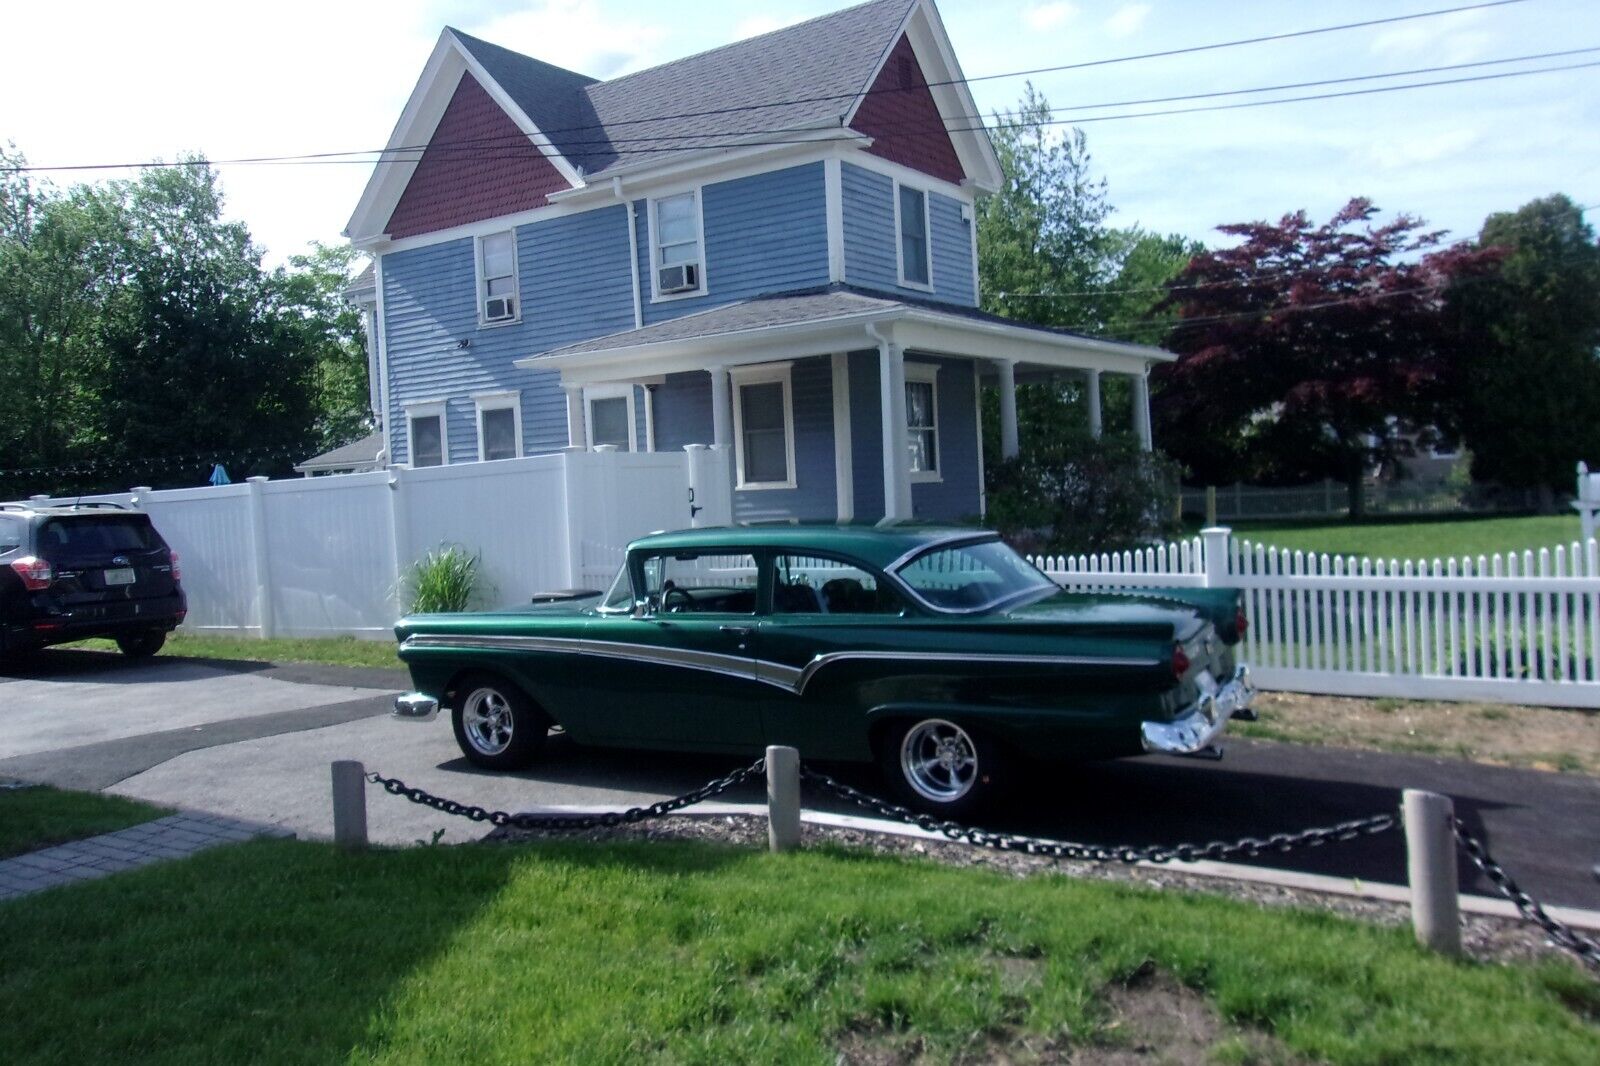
[(283, 951), (338, 651), (34, 818)]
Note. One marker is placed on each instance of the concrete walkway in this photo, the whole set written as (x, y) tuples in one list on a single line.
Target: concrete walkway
[(173, 837)]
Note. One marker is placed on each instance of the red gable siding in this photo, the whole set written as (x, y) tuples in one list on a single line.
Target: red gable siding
[(477, 165), (901, 117)]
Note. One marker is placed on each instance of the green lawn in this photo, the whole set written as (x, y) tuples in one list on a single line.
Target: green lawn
[(1413, 539), (33, 818), (340, 651), (284, 951)]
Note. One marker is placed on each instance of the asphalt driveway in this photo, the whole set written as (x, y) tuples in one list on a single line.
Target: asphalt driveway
[(254, 741)]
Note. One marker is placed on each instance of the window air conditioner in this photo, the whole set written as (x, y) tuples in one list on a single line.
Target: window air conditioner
[(499, 309), (680, 278)]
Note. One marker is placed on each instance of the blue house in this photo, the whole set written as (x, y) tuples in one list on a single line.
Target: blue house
[(769, 248)]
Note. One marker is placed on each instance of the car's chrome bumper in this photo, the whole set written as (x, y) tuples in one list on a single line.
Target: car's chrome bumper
[(415, 707), (1195, 729)]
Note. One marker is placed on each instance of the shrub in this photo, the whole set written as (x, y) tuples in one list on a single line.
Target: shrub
[(443, 581), (1072, 492)]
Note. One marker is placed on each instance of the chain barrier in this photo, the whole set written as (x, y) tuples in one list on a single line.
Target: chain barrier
[(570, 822), (1561, 935), (1218, 850)]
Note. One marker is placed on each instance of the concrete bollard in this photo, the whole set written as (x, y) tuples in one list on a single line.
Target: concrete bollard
[(783, 798), (349, 804), (1431, 870)]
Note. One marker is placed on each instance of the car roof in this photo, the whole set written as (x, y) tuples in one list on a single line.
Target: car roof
[(877, 545), (94, 509)]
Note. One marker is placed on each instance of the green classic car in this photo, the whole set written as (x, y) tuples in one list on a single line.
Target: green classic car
[(940, 653)]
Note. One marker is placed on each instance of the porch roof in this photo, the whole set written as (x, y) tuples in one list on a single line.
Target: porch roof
[(829, 319)]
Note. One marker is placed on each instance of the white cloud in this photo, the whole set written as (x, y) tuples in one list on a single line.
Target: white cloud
[(1127, 20), (1399, 154), (1049, 16), (1455, 38)]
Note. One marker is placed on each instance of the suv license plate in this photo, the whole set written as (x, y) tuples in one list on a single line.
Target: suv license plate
[(122, 576)]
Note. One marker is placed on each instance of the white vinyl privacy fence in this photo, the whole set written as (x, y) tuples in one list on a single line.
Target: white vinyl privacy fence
[(1517, 627), (313, 557)]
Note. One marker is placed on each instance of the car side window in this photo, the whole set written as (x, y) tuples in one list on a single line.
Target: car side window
[(10, 535), (699, 583), (814, 585)]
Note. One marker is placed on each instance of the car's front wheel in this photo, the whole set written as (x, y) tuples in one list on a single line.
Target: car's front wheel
[(943, 767), (497, 726), (141, 645)]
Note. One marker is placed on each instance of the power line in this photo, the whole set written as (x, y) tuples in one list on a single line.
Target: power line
[(332, 156)]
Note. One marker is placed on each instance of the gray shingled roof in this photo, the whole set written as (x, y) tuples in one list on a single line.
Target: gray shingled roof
[(819, 65), (363, 452), (791, 309)]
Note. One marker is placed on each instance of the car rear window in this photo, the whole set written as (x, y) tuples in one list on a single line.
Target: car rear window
[(77, 537)]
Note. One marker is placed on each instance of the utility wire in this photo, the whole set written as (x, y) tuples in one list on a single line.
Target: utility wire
[(333, 156)]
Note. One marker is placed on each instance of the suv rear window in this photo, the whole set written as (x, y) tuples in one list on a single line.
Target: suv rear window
[(76, 537)]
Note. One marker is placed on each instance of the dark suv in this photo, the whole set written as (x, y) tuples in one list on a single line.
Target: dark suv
[(67, 573)]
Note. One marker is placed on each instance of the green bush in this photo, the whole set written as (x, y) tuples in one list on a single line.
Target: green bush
[(1072, 492), (443, 581)]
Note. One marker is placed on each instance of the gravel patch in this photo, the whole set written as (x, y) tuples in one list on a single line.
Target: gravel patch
[(1484, 937)]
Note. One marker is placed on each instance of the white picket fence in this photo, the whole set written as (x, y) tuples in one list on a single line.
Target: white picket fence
[(317, 557), (1515, 627)]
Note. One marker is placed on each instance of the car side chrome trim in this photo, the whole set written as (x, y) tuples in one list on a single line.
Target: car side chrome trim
[(779, 675)]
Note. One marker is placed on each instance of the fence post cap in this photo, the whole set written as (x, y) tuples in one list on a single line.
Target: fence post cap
[(259, 479), (1216, 531)]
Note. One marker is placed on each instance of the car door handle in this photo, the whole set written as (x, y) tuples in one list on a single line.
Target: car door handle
[(738, 631)]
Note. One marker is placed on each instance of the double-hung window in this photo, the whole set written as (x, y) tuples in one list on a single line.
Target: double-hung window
[(677, 252), (497, 279), (911, 222), (499, 425), (922, 420), (763, 420), (610, 411), (426, 443)]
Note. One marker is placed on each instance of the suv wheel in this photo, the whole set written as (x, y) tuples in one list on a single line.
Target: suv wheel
[(141, 645)]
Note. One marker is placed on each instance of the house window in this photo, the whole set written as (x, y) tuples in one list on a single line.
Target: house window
[(763, 427), (922, 420), (911, 222), (610, 416), (677, 240), (499, 425), (425, 435), (497, 279)]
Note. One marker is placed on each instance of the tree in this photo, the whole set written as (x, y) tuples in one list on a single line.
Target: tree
[(1527, 384), (1310, 351), (334, 330)]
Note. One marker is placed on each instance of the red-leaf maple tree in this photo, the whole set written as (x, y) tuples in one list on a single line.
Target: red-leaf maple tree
[(1310, 350)]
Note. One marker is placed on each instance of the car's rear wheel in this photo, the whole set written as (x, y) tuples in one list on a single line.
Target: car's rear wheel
[(141, 645), (497, 726), (943, 767)]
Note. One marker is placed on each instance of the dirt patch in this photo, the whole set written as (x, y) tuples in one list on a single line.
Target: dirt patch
[(1537, 738)]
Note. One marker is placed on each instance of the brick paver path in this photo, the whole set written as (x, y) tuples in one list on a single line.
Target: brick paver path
[(172, 837)]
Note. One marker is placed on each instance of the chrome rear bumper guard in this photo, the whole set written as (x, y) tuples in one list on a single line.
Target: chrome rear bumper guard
[(1195, 730), (415, 707)]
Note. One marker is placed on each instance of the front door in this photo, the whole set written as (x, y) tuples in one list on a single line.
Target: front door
[(683, 675)]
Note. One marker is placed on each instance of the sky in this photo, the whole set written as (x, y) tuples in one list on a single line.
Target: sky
[(101, 82)]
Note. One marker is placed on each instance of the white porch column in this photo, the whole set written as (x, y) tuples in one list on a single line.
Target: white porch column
[(575, 437), (721, 407), (896, 454), (1091, 395), (1141, 409), (1007, 371)]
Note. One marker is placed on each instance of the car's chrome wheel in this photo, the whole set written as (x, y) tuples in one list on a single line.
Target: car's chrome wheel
[(939, 760), (487, 721)]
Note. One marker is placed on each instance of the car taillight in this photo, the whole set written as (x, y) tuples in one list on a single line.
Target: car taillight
[(1240, 623), (34, 572), (177, 571), (1180, 661)]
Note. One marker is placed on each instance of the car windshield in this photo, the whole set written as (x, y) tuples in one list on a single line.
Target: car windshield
[(975, 576), (620, 598)]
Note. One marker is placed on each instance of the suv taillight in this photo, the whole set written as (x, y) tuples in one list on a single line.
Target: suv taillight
[(177, 571), (1180, 661), (1240, 623), (34, 572)]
